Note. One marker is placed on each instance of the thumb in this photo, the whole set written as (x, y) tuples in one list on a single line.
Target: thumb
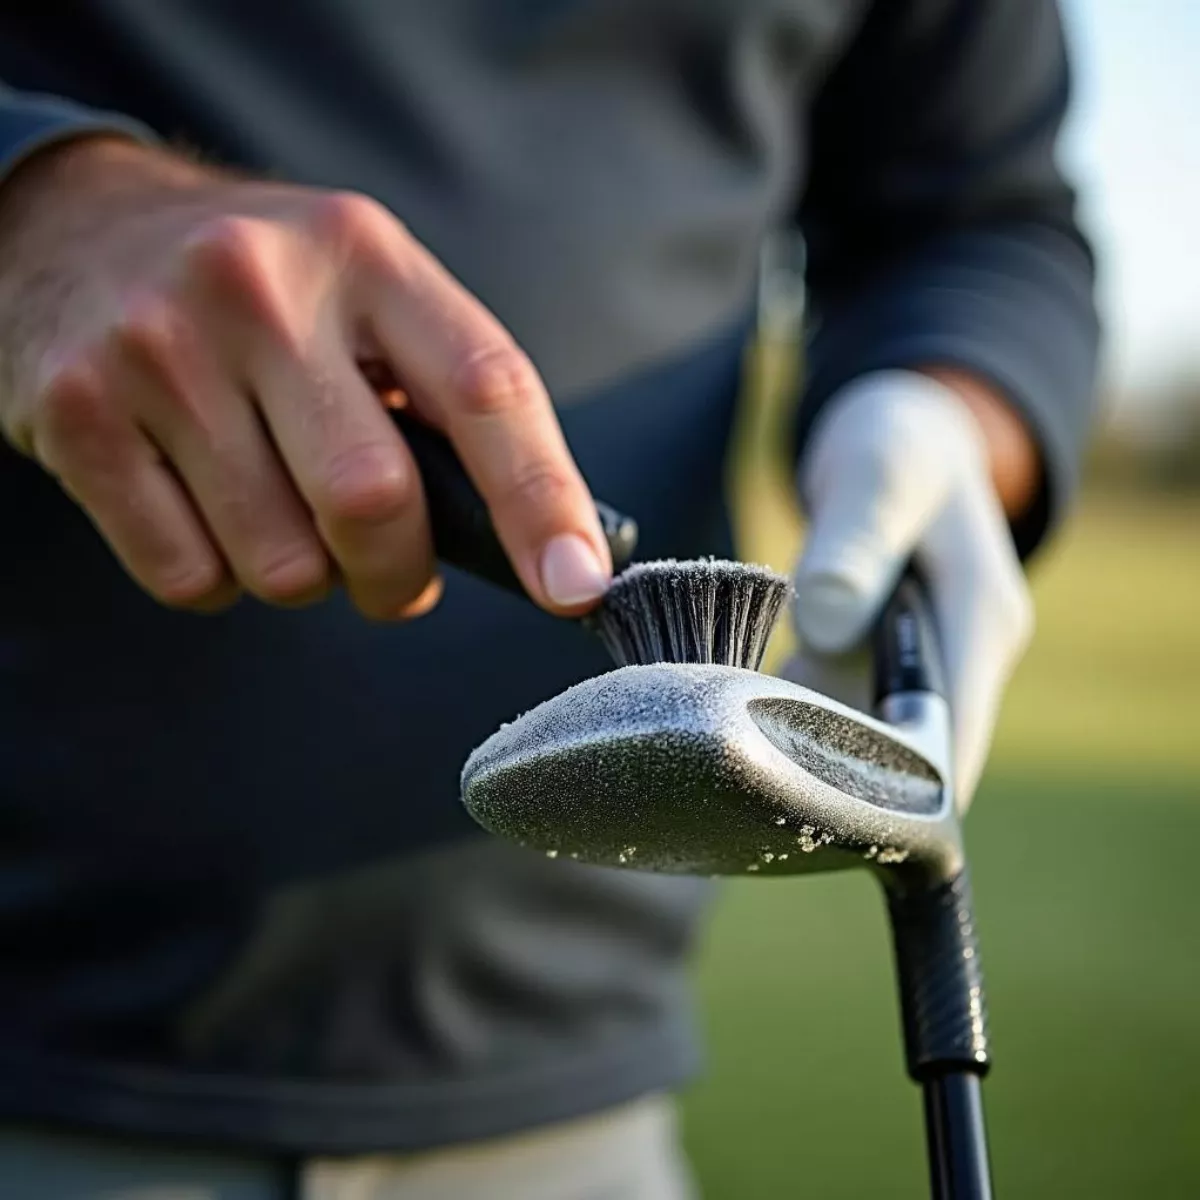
[(872, 481)]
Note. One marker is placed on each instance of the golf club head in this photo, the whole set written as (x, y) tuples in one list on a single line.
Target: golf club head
[(715, 770)]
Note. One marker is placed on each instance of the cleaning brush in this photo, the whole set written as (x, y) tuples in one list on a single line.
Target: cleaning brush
[(699, 611)]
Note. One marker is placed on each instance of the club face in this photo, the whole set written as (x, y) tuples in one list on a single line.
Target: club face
[(714, 770)]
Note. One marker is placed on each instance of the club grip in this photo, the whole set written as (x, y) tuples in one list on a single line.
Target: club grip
[(463, 534), (941, 979), (907, 654)]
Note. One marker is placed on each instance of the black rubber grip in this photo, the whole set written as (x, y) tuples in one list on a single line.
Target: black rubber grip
[(463, 534), (907, 654), (941, 980)]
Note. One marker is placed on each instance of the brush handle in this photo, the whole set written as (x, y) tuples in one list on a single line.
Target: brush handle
[(463, 534), (907, 654)]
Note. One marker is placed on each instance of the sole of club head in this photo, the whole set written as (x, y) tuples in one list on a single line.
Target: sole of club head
[(714, 770)]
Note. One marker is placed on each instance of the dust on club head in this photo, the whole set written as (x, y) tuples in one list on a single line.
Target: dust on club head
[(704, 769), (691, 611)]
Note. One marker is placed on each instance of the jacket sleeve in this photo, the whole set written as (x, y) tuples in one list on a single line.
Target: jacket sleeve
[(30, 122), (939, 228)]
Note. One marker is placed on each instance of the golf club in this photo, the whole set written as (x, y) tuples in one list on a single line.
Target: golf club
[(707, 769), (717, 769)]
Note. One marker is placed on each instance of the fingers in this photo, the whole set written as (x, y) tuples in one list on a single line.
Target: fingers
[(896, 470), (208, 428), (465, 373), (426, 602), (874, 476), (352, 467), (330, 485), (985, 619), (251, 451), (116, 474)]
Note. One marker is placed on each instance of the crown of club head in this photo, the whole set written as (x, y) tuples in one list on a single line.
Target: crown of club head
[(700, 769)]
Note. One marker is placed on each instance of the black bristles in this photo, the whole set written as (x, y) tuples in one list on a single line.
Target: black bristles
[(704, 611)]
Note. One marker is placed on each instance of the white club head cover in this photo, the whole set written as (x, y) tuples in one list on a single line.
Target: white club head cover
[(896, 468)]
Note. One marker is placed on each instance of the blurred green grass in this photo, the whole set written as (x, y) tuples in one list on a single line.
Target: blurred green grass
[(1084, 841)]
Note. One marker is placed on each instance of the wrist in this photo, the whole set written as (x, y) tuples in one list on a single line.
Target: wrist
[(83, 175), (1012, 453), (104, 159), (55, 210)]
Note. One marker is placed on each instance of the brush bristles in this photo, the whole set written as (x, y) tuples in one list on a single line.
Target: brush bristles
[(704, 611)]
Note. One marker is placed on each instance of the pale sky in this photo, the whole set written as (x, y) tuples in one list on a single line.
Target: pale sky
[(1134, 145)]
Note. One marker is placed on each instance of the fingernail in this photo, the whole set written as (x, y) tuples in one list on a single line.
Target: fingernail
[(571, 571)]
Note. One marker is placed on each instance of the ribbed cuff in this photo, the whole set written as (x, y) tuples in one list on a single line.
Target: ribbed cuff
[(29, 123), (1013, 307)]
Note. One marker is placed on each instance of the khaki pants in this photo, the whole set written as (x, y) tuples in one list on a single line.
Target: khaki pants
[(630, 1153)]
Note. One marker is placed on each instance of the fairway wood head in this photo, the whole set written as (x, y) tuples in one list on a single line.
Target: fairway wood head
[(703, 769)]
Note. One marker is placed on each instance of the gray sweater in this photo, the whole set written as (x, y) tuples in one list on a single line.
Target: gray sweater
[(238, 897)]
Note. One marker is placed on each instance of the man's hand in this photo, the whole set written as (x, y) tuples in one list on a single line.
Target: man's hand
[(900, 465), (182, 350)]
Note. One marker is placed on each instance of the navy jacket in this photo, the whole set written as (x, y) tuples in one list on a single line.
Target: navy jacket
[(239, 899)]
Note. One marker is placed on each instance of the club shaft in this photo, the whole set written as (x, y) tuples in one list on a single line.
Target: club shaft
[(957, 1137)]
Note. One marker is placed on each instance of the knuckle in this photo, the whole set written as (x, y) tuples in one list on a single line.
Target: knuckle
[(349, 220), (1019, 614), (290, 575), (543, 487), (229, 249), (153, 338), (73, 405), (369, 484), (188, 584), (234, 256), (151, 333), (496, 380)]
